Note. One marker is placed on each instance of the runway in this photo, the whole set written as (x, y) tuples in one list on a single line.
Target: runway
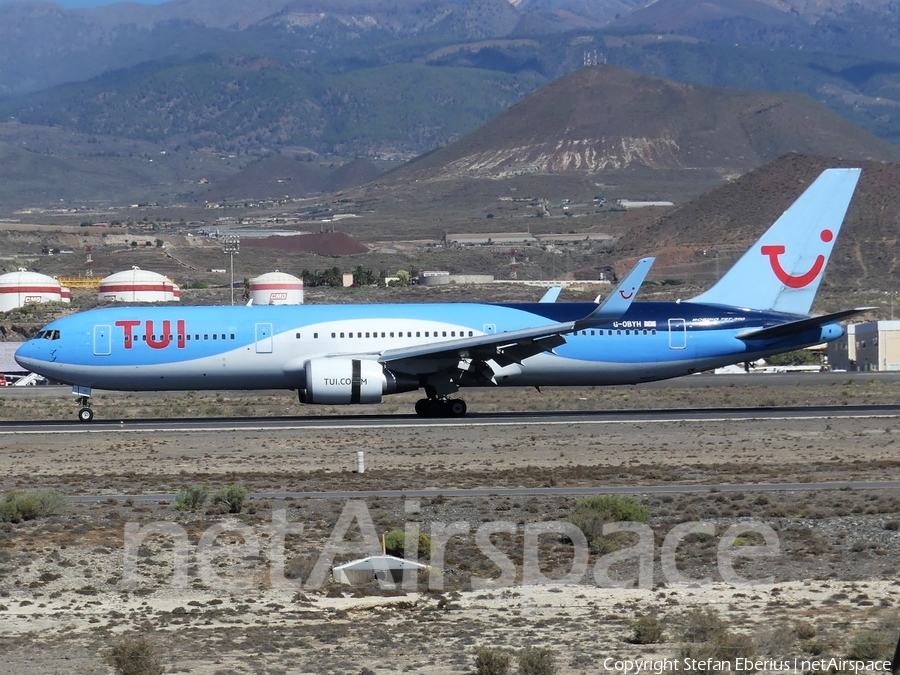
[(518, 419)]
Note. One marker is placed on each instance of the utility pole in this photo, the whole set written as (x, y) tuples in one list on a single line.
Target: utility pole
[(231, 244)]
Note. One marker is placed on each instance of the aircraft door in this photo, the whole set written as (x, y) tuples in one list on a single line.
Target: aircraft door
[(677, 334), (490, 328), (263, 338), (102, 340)]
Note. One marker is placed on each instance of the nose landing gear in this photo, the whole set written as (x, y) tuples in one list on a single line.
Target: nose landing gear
[(84, 400), (441, 407)]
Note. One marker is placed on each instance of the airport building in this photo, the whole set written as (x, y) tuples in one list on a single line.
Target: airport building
[(21, 288), (276, 288), (137, 285), (874, 345)]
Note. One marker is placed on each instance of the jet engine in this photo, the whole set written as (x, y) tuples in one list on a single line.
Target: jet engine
[(346, 381)]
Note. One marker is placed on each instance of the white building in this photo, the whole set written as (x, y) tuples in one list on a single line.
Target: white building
[(21, 288), (276, 288), (137, 285)]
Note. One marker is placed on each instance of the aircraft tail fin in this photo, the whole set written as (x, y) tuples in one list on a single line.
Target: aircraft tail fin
[(783, 269)]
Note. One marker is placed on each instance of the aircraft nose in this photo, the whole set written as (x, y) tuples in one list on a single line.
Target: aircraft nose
[(28, 355)]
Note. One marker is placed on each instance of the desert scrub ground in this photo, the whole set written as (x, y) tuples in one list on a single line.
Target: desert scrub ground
[(65, 603)]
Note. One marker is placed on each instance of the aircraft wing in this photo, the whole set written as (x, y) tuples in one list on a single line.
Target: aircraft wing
[(785, 329), (514, 346)]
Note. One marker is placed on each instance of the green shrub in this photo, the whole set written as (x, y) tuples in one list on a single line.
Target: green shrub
[(30, 505), (135, 656), (592, 513), (232, 496), (190, 498), (537, 661), (489, 661), (872, 645), (395, 544), (647, 631)]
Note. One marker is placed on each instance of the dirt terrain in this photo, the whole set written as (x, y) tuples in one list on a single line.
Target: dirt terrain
[(66, 597)]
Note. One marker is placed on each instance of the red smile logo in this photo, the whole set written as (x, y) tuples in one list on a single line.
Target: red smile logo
[(629, 296), (799, 280)]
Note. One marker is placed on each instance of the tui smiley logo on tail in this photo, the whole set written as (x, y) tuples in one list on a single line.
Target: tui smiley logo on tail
[(629, 296), (796, 280)]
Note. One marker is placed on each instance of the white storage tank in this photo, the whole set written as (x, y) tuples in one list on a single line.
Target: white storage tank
[(21, 288), (276, 288), (137, 285)]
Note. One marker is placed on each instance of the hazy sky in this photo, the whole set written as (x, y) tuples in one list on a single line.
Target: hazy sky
[(95, 3)]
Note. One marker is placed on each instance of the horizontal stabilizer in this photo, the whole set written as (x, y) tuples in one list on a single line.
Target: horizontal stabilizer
[(794, 327)]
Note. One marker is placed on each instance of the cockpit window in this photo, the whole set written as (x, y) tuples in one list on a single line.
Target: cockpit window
[(48, 335)]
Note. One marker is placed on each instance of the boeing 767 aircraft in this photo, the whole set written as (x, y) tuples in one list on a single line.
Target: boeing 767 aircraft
[(343, 354)]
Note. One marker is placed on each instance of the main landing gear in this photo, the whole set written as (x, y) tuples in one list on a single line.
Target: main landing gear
[(440, 407)]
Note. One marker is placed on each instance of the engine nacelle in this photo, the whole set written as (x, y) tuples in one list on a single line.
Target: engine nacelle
[(343, 381)]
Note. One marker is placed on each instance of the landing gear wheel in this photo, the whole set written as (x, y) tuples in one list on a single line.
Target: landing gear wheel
[(456, 407), (85, 415), (423, 407)]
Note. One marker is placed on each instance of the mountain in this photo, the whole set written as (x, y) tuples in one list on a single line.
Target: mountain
[(609, 118), (349, 175), (871, 28), (254, 104)]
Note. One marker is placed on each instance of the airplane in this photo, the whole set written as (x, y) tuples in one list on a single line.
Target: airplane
[(351, 354)]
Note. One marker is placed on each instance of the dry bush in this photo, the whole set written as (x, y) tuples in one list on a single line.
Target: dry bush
[(395, 544), (537, 661), (707, 637), (490, 661), (135, 656), (647, 631)]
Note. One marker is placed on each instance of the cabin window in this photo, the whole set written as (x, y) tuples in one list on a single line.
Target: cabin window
[(392, 334), (188, 336), (382, 334), (206, 336), (445, 334), (470, 333), (197, 336), (215, 336), (452, 333), (350, 335), (618, 332), (653, 332), (409, 333), (298, 336), (367, 334), (334, 335), (359, 335), (315, 336), (232, 336), (180, 338), (645, 331), (418, 334), (342, 335)]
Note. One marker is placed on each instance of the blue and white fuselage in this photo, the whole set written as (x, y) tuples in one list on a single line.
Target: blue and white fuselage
[(183, 348), (342, 354)]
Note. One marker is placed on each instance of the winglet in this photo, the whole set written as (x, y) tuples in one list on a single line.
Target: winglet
[(618, 302), (552, 294)]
